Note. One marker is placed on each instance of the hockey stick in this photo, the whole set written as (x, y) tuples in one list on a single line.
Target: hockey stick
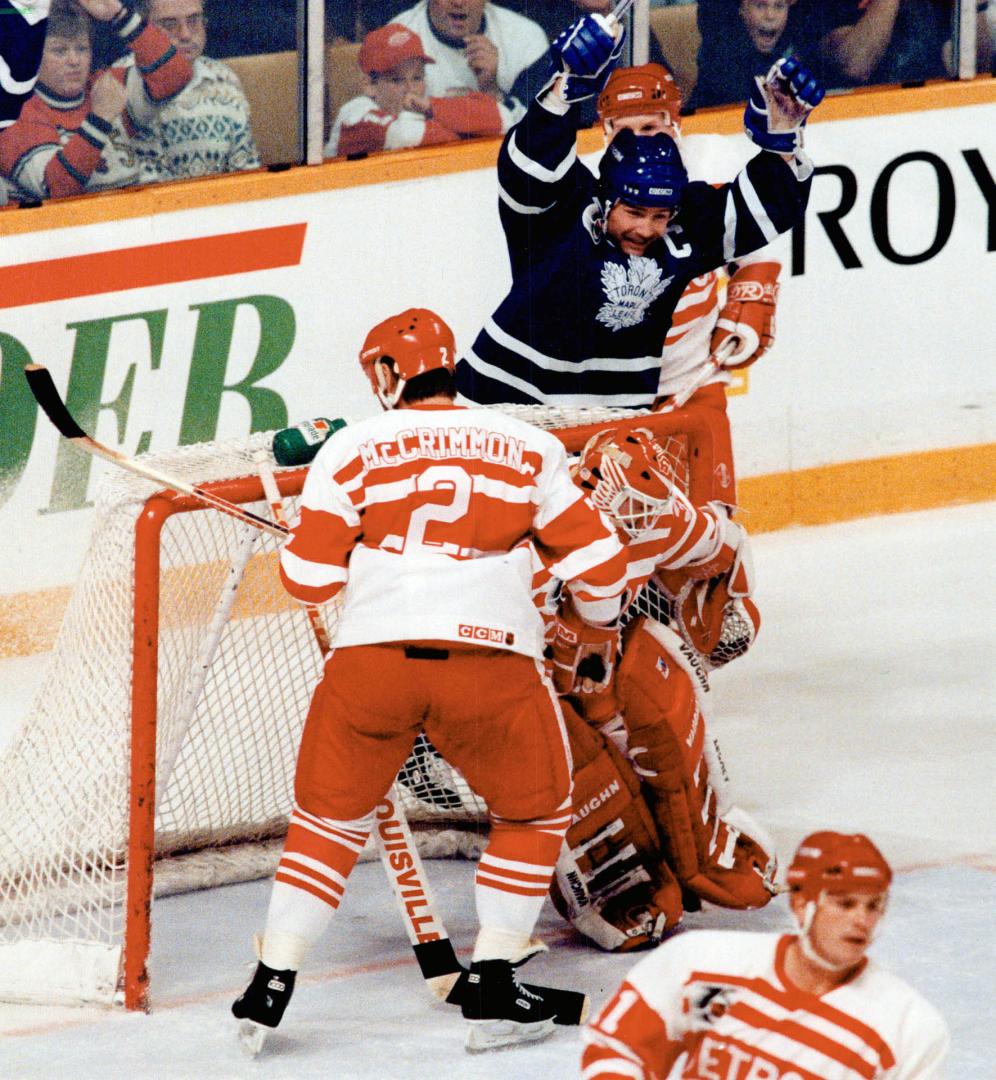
[(45, 393), (276, 503), (714, 365)]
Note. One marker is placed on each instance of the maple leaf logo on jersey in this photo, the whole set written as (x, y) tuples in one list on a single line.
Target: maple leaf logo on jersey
[(630, 290)]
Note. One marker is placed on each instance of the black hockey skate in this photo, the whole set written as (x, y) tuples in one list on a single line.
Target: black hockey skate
[(501, 1011), (570, 1006), (262, 1005)]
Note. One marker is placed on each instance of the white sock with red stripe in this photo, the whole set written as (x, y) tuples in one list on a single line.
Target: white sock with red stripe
[(513, 878), (318, 856)]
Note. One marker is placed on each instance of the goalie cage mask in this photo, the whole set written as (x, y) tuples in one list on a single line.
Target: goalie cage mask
[(627, 476)]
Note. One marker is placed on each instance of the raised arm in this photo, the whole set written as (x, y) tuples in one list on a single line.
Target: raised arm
[(538, 170), (769, 196)]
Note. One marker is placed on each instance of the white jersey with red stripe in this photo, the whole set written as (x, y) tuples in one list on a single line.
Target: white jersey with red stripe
[(716, 159), (718, 1005), (682, 537), (422, 515)]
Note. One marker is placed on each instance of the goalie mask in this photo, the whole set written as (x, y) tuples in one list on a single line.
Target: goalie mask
[(412, 343), (628, 476)]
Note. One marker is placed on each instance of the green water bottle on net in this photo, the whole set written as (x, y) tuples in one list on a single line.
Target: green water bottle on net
[(299, 444)]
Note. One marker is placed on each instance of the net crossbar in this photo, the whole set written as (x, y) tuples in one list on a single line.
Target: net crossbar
[(182, 673)]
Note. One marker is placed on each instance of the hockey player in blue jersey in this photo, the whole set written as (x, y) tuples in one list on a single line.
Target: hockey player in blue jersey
[(22, 38), (598, 264)]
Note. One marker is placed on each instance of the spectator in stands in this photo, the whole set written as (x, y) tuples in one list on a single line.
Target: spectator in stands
[(75, 133), (255, 26), (205, 129), (396, 111), (894, 41), (743, 38), (553, 16), (476, 46)]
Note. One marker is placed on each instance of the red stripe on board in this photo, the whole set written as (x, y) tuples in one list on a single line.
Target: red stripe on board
[(151, 264)]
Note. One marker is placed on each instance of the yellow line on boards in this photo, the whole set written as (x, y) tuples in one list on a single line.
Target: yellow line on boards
[(397, 165), (820, 496), (855, 489)]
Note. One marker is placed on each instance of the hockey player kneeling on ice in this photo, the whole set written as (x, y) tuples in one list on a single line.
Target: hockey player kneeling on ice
[(417, 517), (654, 828), (714, 1003)]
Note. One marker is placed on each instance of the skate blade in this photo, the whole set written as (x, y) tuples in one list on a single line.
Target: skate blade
[(252, 1036), (497, 1034)]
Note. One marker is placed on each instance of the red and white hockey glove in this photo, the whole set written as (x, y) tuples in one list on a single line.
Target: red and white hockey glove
[(745, 329), (583, 655)]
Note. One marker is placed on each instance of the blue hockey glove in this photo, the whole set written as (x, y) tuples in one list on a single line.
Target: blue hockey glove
[(799, 93), (587, 51)]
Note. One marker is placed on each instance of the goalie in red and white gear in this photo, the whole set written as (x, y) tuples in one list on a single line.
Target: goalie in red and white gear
[(714, 1003), (710, 334), (417, 517), (640, 738)]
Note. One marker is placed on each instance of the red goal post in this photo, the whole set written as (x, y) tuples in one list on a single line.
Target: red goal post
[(159, 754)]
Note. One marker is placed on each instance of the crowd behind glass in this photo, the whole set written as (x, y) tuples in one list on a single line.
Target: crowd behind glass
[(149, 90)]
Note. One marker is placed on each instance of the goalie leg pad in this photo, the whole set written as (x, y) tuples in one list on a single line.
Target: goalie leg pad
[(667, 739), (610, 881)]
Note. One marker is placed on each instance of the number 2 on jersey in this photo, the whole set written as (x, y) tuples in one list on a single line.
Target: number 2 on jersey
[(436, 478)]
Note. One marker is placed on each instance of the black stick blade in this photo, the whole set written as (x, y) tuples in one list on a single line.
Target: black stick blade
[(45, 393)]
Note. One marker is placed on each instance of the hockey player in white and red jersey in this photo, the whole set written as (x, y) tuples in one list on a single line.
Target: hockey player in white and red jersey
[(655, 828), (418, 518), (730, 1005), (707, 339)]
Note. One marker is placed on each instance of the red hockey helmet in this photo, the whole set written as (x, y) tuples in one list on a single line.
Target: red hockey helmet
[(628, 476), (832, 862), (414, 342), (641, 91)]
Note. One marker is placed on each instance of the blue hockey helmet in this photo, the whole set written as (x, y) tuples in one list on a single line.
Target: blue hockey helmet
[(643, 170)]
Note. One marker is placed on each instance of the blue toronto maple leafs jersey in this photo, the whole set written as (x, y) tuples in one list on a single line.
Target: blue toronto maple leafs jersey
[(584, 323), (22, 38)]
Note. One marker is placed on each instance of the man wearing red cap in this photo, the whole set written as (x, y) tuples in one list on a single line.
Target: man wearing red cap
[(396, 111), (782, 1007)]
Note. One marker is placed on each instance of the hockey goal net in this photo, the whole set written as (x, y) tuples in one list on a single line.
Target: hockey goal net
[(160, 749)]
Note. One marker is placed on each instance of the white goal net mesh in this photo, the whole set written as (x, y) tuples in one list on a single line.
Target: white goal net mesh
[(237, 662)]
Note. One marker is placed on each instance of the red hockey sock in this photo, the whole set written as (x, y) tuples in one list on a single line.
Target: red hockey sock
[(513, 876)]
